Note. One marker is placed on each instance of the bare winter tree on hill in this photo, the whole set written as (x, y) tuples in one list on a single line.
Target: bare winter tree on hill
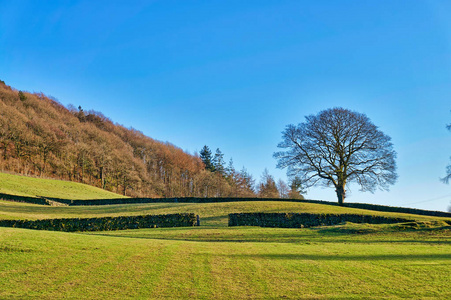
[(336, 147), (447, 178)]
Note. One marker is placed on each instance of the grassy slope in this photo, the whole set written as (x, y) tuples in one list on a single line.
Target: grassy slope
[(31, 187)]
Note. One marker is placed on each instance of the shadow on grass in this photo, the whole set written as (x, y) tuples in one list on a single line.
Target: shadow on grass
[(338, 257), (15, 249), (341, 230), (301, 237), (299, 242)]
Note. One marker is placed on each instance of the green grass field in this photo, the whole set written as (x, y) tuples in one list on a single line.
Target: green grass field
[(213, 261), (32, 187), (226, 263)]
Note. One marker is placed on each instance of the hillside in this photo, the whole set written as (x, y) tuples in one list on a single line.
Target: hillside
[(41, 137)]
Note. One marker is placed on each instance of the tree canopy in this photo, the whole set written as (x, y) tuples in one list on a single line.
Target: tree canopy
[(335, 147)]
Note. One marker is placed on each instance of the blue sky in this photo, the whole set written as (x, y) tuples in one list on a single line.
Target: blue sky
[(233, 74)]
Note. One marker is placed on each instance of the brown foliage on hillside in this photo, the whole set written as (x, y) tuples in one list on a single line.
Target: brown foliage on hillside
[(41, 137)]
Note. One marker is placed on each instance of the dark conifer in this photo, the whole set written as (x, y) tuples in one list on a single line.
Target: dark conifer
[(205, 155)]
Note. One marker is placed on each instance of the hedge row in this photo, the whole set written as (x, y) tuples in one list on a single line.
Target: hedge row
[(304, 220), (162, 200), (33, 200), (405, 210), (106, 223)]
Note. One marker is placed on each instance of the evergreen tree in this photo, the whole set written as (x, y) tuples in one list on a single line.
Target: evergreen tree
[(218, 162), (22, 96), (230, 170), (206, 157)]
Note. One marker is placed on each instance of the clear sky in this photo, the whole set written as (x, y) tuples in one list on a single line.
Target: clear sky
[(233, 74)]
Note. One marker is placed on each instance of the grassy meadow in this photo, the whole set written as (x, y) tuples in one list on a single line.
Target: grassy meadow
[(213, 261), (226, 263), (37, 187)]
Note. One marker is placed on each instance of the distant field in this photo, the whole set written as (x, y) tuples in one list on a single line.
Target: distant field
[(211, 214), (32, 187)]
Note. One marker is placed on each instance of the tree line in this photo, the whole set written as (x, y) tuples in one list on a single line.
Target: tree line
[(235, 183), (41, 137)]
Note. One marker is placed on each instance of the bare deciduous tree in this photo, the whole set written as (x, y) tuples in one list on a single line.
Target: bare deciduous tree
[(284, 190), (335, 147), (447, 178)]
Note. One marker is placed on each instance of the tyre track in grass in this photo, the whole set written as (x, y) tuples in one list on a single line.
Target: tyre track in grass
[(187, 274)]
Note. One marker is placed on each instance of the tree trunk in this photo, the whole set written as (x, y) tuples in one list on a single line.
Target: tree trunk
[(125, 185), (340, 194), (102, 178)]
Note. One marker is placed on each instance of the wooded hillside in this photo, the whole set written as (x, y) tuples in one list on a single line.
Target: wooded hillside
[(41, 137)]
